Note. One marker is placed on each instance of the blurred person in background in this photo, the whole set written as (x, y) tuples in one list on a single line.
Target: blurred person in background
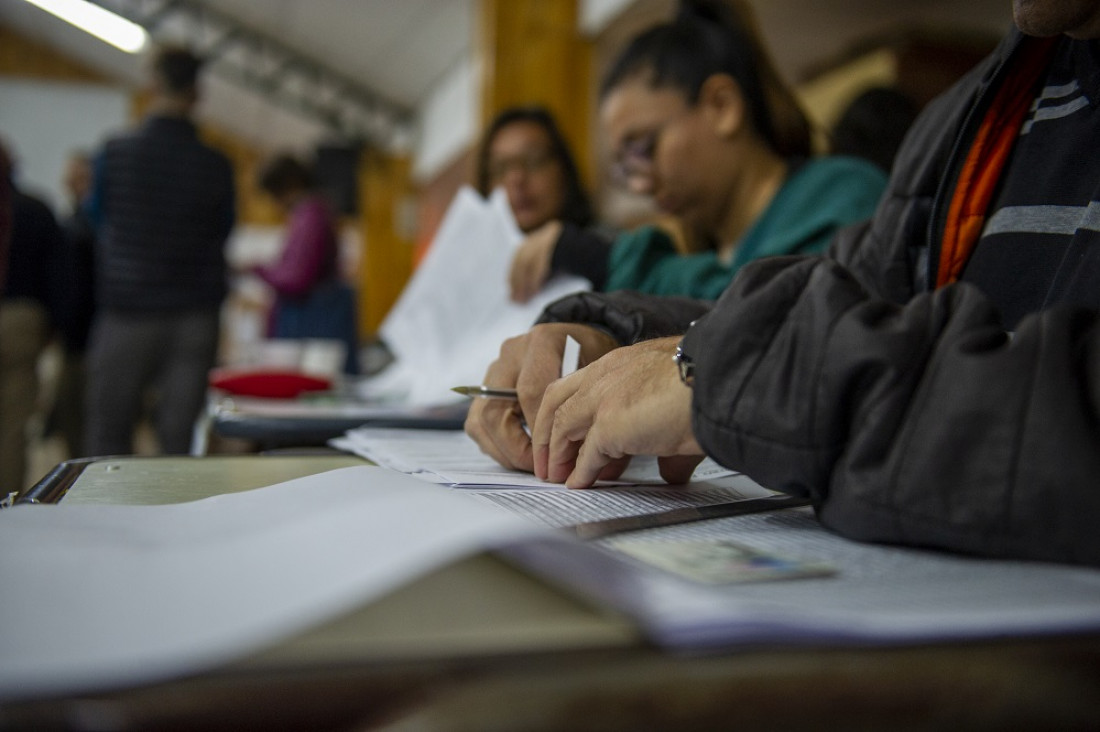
[(5, 214), (523, 152), (163, 205), (77, 269), (699, 120), (28, 313), (311, 298)]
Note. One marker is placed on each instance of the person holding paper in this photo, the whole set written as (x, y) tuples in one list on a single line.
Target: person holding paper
[(698, 119), (524, 152), (933, 381)]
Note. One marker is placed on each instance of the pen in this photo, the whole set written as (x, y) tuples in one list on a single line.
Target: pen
[(486, 392)]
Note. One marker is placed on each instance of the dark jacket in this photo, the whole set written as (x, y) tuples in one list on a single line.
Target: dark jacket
[(34, 254), (164, 204), (907, 415)]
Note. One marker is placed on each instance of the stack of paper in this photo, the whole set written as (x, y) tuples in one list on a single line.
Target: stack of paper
[(448, 324), (452, 458), (874, 594), (101, 596), (121, 595)]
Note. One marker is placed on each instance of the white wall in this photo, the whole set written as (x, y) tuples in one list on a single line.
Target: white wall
[(447, 119), (43, 122)]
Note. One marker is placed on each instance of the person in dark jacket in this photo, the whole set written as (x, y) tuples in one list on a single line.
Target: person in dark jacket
[(28, 314), (933, 381), (77, 270), (163, 203), (5, 214)]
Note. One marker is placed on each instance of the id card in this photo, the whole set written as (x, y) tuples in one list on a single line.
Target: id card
[(719, 561)]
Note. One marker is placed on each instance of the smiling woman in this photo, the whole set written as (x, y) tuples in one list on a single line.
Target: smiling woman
[(699, 120)]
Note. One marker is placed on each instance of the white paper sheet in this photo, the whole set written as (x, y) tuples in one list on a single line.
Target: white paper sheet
[(451, 457), (571, 356), (560, 508), (879, 594), (448, 324), (95, 597)]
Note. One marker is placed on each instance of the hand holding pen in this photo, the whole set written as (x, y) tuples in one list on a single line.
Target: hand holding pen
[(526, 366)]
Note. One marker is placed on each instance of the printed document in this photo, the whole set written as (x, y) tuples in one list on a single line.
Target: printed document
[(452, 458)]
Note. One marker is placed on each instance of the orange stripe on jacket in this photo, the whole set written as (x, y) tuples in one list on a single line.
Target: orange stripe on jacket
[(987, 157)]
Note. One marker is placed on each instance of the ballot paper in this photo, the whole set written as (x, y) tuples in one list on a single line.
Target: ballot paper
[(452, 316), (452, 458), (104, 596)]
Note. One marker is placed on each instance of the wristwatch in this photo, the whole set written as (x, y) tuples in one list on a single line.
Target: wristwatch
[(686, 366)]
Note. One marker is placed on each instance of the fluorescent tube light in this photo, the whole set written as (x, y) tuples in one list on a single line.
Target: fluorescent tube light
[(100, 22)]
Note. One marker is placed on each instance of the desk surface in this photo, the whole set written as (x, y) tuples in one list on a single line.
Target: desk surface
[(480, 645)]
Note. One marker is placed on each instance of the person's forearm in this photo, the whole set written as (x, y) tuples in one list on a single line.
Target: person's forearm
[(921, 424)]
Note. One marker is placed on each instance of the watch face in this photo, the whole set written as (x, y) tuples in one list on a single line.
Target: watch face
[(685, 365)]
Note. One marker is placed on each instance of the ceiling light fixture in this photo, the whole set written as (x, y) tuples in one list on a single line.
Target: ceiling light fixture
[(100, 22)]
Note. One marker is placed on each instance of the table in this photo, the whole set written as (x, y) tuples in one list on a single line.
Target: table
[(480, 645), (277, 423)]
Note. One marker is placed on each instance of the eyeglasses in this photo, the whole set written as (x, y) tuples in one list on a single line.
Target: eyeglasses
[(528, 163), (634, 159)]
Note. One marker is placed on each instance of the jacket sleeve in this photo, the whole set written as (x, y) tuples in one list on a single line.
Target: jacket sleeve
[(891, 253), (922, 424), (581, 252), (629, 317)]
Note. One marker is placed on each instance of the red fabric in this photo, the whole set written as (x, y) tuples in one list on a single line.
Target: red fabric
[(267, 383), (987, 157)]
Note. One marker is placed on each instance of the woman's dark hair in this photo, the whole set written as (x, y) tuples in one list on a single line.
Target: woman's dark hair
[(284, 173), (874, 124), (576, 208), (710, 37)]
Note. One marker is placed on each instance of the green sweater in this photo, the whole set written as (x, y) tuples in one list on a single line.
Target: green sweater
[(821, 196)]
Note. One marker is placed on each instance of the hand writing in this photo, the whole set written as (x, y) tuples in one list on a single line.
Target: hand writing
[(630, 402), (527, 363)]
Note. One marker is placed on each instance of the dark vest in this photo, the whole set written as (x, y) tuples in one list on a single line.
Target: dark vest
[(165, 205)]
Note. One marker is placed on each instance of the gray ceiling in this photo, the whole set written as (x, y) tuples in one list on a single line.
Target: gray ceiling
[(400, 49)]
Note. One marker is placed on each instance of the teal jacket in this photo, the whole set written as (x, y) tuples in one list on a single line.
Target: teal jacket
[(819, 197)]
